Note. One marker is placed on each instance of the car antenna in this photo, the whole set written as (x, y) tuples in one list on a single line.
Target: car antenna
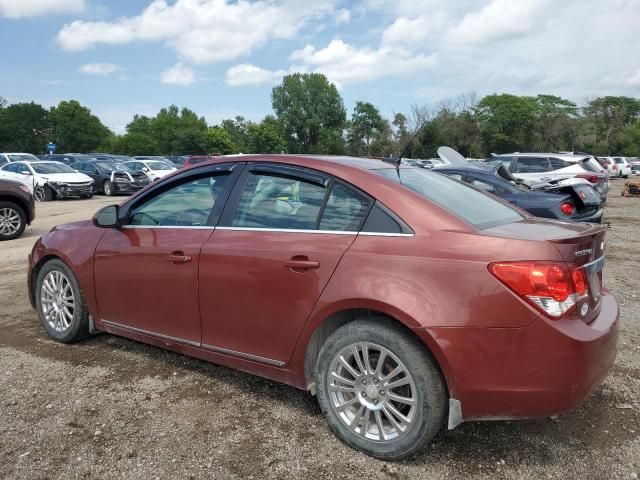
[(397, 160)]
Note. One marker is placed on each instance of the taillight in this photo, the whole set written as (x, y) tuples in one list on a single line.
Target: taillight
[(615, 167), (587, 176), (567, 208), (549, 286)]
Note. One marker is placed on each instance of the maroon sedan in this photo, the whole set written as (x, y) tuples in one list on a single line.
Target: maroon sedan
[(403, 299)]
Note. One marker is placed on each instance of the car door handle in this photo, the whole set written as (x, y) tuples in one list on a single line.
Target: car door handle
[(179, 257), (301, 264)]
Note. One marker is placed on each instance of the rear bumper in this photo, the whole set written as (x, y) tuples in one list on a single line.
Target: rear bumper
[(545, 368), (592, 218)]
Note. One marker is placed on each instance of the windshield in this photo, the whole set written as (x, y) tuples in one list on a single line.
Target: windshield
[(112, 166), (474, 207), (52, 167), (16, 157), (159, 166)]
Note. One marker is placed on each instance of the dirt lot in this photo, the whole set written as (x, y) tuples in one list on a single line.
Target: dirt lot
[(113, 408)]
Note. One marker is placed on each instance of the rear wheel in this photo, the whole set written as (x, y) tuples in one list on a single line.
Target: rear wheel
[(13, 220), (60, 303), (108, 188), (380, 391)]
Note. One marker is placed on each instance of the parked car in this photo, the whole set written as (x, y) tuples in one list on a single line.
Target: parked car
[(16, 157), (609, 165), (635, 166), (177, 160), (51, 180), (577, 203), (153, 169), (111, 177), (556, 168), (67, 158), (191, 160), (107, 157), (17, 209), (403, 299), (624, 168)]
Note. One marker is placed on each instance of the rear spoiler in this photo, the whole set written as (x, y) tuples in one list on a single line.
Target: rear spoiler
[(592, 231)]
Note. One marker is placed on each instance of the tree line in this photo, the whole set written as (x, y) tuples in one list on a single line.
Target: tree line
[(309, 116)]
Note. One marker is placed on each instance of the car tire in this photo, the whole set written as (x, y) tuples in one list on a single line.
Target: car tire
[(108, 188), (13, 220), (374, 411), (42, 193), (60, 303)]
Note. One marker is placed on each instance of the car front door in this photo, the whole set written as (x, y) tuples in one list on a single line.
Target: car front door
[(146, 272), (281, 236)]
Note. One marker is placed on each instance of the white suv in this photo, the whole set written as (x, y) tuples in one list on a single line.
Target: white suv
[(555, 167), (624, 167)]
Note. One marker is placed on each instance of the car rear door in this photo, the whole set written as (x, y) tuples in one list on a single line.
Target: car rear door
[(146, 272), (282, 234), (533, 169)]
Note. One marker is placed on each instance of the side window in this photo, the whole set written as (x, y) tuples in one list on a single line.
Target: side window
[(22, 168), (532, 165), (383, 220), (345, 210), (455, 176), (487, 187), (270, 201), (11, 168), (557, 163), (188, 204)]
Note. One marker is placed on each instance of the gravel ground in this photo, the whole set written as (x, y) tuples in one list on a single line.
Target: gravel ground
[(113, 408)]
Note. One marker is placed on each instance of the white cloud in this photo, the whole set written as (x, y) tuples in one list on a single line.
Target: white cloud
[(405, 32), (34, 8), (102, 69), (497, 20), (200, 31), (247, 74), (343, 16), (179, 74)]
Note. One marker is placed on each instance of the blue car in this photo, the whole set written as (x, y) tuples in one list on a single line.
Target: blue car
[(573, 203)]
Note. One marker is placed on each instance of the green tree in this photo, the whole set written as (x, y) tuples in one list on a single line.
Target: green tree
[(366, 126), (507, 122), (556, 125), (237, 128), (133, 143), (24, 127), (219, 141), (265, 138), (139, 124), (75, 128), (178, 132), (605, 119), (310, 111)]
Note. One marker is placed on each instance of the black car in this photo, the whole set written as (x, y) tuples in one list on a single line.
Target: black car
[(576, 203), (108, 157), (67, 158), (112, 177)]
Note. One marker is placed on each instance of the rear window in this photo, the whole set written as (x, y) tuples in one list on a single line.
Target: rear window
[(592, 165), (476, 208)]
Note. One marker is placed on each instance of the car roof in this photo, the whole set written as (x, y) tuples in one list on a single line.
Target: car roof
[(362, 163)]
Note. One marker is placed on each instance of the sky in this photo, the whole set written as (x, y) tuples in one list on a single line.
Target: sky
[(221, 58)]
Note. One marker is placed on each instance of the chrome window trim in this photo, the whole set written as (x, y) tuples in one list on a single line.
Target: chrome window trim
[(194, 227), (287, 230), (326, 232)]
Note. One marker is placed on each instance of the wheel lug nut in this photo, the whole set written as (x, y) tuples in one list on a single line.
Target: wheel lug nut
[(375, 380), (364, 394), (364, 381), (375, 401), (381, 392)]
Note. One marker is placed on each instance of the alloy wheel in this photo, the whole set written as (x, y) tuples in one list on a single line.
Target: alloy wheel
[(372, 392), (57, 300), (10, 221), (39, 194)]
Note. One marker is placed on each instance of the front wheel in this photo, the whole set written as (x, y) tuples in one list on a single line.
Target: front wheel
[(108, 188), (42, 193), (60, 303), (380, 390)]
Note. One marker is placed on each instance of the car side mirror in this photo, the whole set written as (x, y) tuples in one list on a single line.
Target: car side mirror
[(107, 217), (144, 169), (26, 174)]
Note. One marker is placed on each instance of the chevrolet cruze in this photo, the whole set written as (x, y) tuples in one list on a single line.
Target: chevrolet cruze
[(406, 301)]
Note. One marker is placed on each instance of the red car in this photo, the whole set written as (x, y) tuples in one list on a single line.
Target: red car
[(403, 299)]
